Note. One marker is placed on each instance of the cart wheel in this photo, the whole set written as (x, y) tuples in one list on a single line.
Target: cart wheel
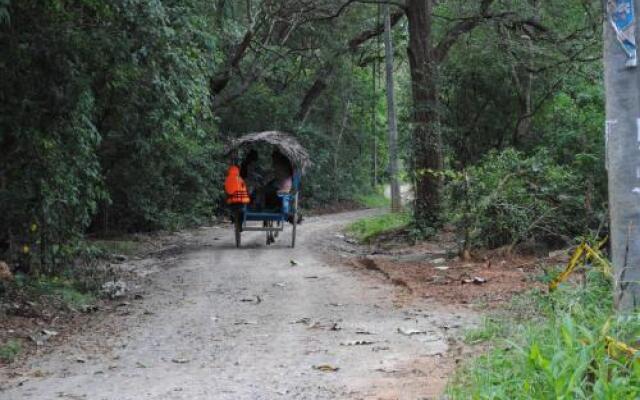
[(293, 230), (295, 221), (276, 233), (238, 228), (267, 224)]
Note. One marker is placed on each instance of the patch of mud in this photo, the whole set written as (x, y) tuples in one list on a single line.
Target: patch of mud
[(371, 265), (458, 282), (431, 270)]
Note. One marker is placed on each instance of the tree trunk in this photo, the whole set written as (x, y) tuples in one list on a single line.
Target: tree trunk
[(325, 74), (525, 117), (391, 112), (336, 151), (319, 85), (427, 140)]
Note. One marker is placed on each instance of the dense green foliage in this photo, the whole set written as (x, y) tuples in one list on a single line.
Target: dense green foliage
[(507, 198), (113, 115), (525, 128), (109, 120), (105, 120), (555, 347)]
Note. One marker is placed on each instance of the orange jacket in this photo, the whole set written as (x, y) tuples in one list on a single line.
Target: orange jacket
[(235, 187)]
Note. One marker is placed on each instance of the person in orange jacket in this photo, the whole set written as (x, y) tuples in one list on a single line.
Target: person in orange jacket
[(235, 187)]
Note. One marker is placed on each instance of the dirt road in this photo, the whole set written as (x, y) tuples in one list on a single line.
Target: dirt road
[(221, 323)]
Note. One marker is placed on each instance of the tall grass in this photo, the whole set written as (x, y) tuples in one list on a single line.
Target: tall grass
[(124, 247), (555, 347), (366, 229), (374, 199), (68, 292)]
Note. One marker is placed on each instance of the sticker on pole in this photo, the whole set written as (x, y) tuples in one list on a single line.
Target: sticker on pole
[(622, 18)]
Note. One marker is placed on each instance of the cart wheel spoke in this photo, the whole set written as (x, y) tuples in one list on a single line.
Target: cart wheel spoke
[(295, 221), (238, 228)]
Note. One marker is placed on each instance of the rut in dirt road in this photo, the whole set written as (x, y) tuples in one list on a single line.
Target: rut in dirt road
[(227, 323)]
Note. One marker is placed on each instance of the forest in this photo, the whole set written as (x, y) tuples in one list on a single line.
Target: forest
[(114, 117), (114, 114)]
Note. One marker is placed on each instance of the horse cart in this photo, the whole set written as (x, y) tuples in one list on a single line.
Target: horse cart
[(252, 216)]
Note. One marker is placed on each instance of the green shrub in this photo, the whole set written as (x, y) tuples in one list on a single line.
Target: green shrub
[(53, 186), (10, 350), (509, 198)]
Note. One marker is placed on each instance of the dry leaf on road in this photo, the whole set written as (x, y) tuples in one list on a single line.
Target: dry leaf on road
[(326, 368)]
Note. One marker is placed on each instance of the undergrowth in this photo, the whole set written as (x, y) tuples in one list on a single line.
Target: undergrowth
[(124, 247), (376, 199), (555, 346), (66, 291), (366, 229), (74, 288), (10, 350)]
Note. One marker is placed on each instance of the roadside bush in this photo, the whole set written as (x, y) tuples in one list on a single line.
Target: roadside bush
[(101, 130), (508, 198), (51, 185), (160, 155), (571, 126)]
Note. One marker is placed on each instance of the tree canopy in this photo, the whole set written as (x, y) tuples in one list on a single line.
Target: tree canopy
[(114, 115)]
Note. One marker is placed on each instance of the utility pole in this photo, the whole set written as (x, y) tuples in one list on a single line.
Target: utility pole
[(391, 113), (622, 136)]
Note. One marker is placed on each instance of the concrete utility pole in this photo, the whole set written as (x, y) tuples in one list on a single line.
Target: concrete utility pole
[(391, 112), (623, 153)]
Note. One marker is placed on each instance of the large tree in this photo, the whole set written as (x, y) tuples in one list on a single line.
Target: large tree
[(428, 48), (425, 54)]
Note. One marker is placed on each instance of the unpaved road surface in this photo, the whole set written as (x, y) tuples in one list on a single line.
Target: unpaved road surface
[(221, 323)]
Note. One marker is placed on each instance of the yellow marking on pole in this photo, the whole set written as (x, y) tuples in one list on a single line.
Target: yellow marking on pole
[(589, 254), (573, 262), (614, 348), (604, 264)]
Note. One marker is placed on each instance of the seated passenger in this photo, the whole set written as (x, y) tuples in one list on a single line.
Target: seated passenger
[(281, 179), (235, 187), (250, 172)]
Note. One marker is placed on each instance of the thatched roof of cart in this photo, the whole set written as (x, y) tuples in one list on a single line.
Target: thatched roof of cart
[(285, 142)]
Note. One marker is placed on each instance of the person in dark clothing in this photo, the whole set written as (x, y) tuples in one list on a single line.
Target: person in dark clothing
[(250, 173), (248, 165)]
